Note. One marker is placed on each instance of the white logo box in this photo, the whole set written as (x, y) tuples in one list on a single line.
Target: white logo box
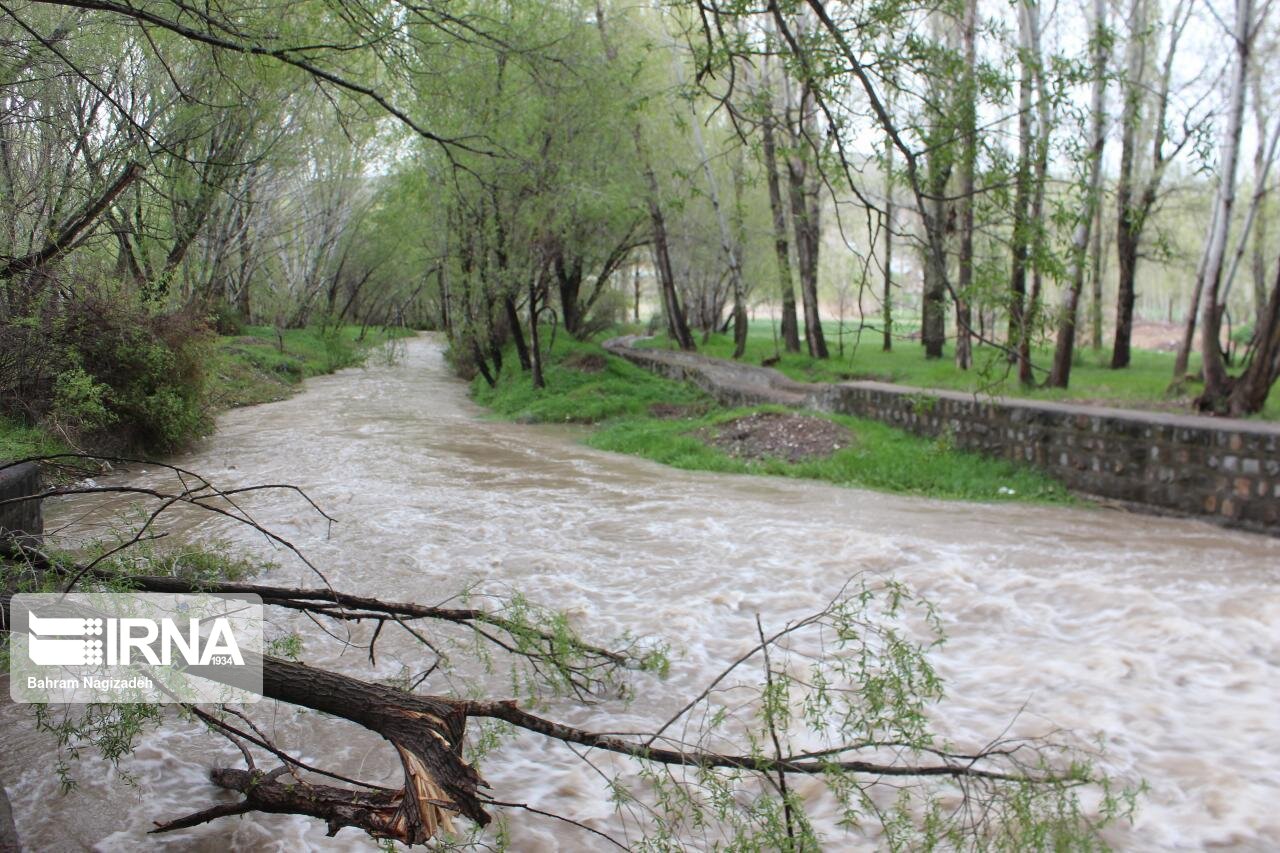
[(135, 647)]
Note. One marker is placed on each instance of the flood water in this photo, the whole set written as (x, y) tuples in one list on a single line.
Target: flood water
[(1160, 636)]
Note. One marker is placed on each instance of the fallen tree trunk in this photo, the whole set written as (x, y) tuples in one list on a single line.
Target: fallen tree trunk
[(425, 731), (428, 732)]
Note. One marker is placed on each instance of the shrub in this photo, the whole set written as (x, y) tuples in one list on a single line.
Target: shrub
[(106, 371), (80, 401)]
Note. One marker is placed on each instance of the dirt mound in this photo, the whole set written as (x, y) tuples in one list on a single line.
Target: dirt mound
[(587, 362), (779, 435)]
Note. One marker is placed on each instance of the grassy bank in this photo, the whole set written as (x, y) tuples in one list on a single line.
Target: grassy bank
[(642, 414), (1145, 384), (256, 366), (261, 365)]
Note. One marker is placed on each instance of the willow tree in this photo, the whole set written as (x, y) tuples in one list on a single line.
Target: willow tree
[(1145, 105)]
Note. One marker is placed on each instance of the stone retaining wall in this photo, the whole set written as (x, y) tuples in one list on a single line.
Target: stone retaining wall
[(20, 517), (1228, 470)]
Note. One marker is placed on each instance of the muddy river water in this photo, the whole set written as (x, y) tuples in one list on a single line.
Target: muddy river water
[(1162, 636)]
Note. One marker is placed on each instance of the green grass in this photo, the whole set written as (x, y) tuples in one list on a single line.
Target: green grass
[(20, 441), (617, 396), (1144, 384), (256, 366), (573, 395)]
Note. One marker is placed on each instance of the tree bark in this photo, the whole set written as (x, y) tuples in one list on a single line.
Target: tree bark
[(781, 249), (1261, 166), (1021, 241), (1095, 281), (1060, 374), (1133, 206), (1044, 117), (1128, 217), (535, 344), (804, 215), (887, 303), (968, 165), (1216, 381), (517, 333), (1262, 366)]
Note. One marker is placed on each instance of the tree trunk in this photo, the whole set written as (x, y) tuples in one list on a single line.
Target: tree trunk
[(517, 334), (635, 284), (535, 344), (1128, 217), (677, 325), (70, 232), (1133, 208), (968, 164), (740, 320), (887, 305), (1060, 374), (1021, 242), (1259, 264), (1264, 156), (1031, 316), (781, 250), (804, 215), (813, 227), (1262, 368), (933, 320), (569, 285), (1216, 381), (1261, 165), (1095, 281)]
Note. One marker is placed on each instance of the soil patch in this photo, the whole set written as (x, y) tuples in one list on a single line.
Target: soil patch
[(778, 435), (587, 362)]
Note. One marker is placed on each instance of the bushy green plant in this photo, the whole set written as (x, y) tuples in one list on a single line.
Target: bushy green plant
[(106, 371), (80, 401)]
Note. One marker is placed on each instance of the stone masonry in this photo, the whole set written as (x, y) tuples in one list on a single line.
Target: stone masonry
[(1225, 469)]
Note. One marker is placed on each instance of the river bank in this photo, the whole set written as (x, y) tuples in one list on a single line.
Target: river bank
[(631, 410)]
